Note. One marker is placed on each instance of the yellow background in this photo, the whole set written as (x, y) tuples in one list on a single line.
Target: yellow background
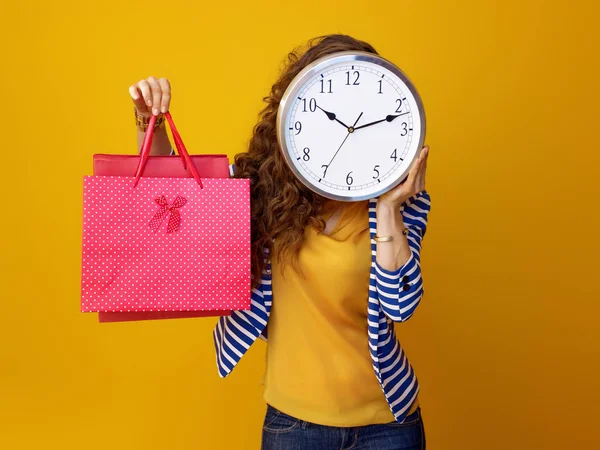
[(506, 344)]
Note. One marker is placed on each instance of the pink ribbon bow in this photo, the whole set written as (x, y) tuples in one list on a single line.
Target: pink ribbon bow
[(165, 208)]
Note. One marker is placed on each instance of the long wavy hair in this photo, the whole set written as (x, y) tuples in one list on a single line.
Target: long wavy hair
[(281, 206)]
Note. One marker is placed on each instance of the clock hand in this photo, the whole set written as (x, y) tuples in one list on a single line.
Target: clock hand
[(359, 116), (349, 133), (332, 116), (388, 118)]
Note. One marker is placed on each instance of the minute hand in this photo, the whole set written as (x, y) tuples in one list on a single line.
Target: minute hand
[(387, 119)]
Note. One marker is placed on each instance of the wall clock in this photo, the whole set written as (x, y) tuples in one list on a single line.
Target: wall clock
[(350, 126)]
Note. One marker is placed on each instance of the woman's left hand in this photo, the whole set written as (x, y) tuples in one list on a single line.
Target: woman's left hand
[(414, 184)]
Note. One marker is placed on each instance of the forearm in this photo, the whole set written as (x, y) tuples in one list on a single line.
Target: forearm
[(393, 254), (160, 143)]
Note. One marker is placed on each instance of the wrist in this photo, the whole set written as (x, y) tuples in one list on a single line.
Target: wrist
[(386, 208), (389, 219), (142, 121)]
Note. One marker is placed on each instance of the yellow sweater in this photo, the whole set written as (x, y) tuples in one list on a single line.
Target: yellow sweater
[(318, 363)]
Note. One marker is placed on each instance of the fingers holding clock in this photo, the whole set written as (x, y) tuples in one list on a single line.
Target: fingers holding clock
[(414, 183), (416, 177), (415, 170), (421, 169), (409, 186)]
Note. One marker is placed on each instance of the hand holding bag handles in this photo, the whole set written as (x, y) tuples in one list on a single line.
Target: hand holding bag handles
[(147, 145)]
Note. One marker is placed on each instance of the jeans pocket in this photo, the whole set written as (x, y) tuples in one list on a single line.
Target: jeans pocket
[(410, 420), (278, 422)]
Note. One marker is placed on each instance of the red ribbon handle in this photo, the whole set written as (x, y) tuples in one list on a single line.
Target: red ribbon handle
[(147, 145)]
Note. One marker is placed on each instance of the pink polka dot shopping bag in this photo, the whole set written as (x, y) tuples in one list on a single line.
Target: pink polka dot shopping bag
[(164, 236)]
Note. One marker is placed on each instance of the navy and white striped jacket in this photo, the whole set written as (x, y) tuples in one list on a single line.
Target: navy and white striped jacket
[(393, 297)]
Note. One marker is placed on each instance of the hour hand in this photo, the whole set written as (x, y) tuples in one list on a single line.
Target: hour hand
[(331, 116), (388, 118)]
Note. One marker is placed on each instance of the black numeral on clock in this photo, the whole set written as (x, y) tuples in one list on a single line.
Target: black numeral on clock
[(323, 87), (356, 74), (298, 127), (404, 130), (312, 105), (324, 167), (399, 108), (380, 86), (349, 179), (376, 170), (394, 156), (306, 156)]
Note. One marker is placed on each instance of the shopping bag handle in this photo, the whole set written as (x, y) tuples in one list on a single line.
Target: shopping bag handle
[(179, 145)]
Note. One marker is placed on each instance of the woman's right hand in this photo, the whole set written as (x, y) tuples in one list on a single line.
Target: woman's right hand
[(151, 96)]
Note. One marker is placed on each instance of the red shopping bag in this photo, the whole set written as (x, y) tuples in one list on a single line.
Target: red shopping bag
[(174, 242)]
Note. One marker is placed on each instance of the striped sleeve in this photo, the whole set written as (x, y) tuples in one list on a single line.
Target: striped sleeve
[(234, 334), (400, 291)]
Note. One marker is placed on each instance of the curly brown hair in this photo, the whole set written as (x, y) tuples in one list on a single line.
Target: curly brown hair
[(281, 206)]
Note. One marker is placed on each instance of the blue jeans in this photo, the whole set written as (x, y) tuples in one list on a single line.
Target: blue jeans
[(283, 432)]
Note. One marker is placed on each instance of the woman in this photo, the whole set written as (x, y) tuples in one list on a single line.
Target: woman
[(336, 375)]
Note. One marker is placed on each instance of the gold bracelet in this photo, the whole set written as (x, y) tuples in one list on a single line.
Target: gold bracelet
[(388, 238), (142, 122)]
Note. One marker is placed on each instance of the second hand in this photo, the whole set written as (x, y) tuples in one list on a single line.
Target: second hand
[(350, 131)]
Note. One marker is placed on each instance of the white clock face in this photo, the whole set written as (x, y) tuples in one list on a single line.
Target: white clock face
[(350, 126)]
